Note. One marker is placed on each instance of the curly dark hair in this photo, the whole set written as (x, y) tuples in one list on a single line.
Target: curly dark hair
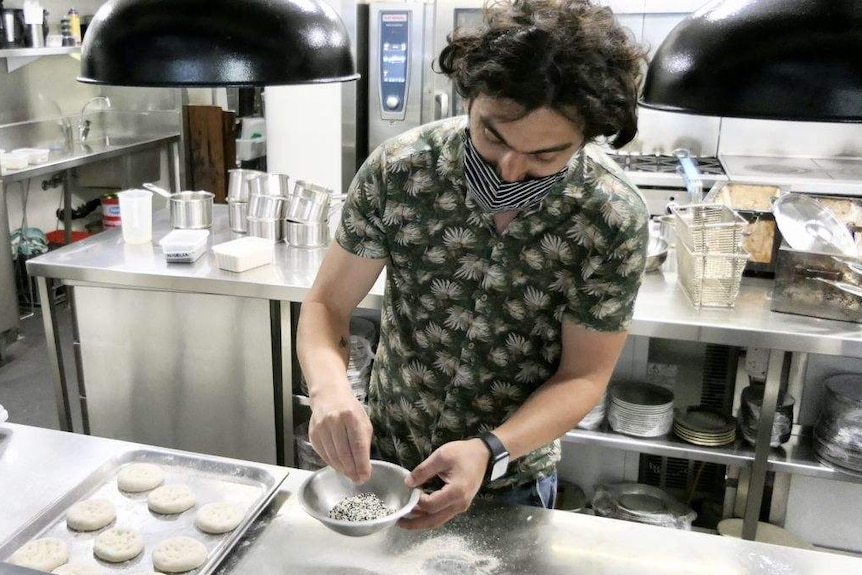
[(567, 55)]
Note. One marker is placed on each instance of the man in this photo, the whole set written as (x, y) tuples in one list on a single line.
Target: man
[(513, 251)]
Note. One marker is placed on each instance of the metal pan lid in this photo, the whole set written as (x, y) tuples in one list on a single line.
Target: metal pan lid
[(808, 226)]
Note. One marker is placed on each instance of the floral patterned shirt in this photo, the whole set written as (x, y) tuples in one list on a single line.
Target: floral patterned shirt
[(471, 320)]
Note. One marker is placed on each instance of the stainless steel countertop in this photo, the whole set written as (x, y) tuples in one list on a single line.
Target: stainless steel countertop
[(662, 309), (93, 150), (39, 465)]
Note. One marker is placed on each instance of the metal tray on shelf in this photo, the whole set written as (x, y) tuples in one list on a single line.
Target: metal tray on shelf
[(211, 479)]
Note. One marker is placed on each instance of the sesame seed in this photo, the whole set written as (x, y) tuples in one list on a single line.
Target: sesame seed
[(362, 507)]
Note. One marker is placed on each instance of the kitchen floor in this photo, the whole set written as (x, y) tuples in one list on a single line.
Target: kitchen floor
[(26, 383)]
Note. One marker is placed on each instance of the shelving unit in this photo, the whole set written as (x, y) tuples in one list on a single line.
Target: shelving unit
[(794, 457), (18, 57), (797, 457), (738, 454)]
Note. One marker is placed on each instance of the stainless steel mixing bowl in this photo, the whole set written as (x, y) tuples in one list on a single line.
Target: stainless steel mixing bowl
[(326, 488), (656, 253)]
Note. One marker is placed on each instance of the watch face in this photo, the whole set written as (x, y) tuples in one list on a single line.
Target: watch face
[(498, 470)]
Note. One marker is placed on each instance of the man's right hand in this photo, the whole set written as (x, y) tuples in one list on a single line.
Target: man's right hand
[(340, 432)]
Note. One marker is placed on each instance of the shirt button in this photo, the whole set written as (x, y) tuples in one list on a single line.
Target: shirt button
[(499, 245), (470, 346), (484, 298)]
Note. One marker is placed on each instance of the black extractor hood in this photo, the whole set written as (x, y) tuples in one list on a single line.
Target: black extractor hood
[(773, 59), (240, 43)]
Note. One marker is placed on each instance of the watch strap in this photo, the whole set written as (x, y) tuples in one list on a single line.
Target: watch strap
[(497, 450)]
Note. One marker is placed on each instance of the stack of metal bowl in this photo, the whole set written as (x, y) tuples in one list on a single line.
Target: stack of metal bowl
[(270, 194), (307, 216), (238, 195), (642, 504), (596, 416), (749, 416), (838, 433)]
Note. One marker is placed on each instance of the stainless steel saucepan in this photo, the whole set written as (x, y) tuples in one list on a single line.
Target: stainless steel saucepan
[(190, 210)]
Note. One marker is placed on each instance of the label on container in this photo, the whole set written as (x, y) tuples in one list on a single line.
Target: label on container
[(111, 211)]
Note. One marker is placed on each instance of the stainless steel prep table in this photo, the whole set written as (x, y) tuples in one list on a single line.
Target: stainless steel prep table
[(662, 310), (512, 540)]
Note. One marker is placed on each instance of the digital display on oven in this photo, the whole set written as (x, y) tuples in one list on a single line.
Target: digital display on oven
[(394, 59)]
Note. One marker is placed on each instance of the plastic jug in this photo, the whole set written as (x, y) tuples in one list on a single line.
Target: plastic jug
[(136, 216)]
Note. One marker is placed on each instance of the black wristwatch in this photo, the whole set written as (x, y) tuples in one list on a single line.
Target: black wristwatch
[(499, 461)]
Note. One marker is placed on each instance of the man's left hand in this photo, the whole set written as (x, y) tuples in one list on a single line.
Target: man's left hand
[(461, 465)]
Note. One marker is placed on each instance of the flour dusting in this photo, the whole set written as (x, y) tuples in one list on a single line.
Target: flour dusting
[(770, 565), (446, 555)]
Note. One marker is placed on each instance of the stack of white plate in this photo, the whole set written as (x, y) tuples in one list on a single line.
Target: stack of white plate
[(702, 426), (838, 434), (640, 409), (593, 420)]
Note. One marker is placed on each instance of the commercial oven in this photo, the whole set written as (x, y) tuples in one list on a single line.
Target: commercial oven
[(405, 39)]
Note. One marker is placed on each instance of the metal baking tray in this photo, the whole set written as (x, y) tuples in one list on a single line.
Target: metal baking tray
[(210, 479)]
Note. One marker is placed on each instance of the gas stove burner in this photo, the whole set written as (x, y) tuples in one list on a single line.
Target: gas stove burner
[(664, 164), (777, 169)]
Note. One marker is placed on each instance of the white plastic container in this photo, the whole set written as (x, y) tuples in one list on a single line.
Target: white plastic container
[(253, 127), (35, 156), (244, 254), (184, 246), (250, 149), (14, 160), (136, 216)]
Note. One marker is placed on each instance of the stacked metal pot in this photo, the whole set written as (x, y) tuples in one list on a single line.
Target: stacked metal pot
[(262, 205), (238, 195)]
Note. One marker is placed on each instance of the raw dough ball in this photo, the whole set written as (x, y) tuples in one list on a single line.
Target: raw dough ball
[(170, 499), (43, 554), (90, 515), (179, 554), (78, 569), (218, 518), (139, 477), (118, 544)]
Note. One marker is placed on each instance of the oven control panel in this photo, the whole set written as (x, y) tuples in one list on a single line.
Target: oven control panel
[(394, 50)]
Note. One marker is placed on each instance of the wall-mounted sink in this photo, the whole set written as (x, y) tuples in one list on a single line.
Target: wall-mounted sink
[(111, 134)]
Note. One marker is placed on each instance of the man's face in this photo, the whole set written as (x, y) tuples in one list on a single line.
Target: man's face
[(536, 145)]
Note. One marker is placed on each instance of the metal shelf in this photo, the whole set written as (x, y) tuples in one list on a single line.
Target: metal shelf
[(797, 457), (794, 457), (738, 454), (17, 57)]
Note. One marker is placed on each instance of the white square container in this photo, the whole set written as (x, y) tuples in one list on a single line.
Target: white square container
[(244, 254), (35, 155), (184, 246), (14, 160)]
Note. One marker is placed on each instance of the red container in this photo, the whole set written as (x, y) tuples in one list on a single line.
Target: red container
[(110, 211), (57, 238)]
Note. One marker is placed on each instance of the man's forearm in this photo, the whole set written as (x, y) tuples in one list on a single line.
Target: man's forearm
[(323, 348), (549, 413)]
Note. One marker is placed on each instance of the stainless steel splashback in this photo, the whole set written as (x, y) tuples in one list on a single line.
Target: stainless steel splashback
[(46, 88)]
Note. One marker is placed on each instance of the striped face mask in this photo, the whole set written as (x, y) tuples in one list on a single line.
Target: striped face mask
[(494, 195)]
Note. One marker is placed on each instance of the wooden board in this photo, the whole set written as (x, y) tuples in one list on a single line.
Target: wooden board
[(210, 146)]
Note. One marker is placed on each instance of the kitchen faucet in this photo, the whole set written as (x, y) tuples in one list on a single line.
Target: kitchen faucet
[(84, 125), (690, 175)]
